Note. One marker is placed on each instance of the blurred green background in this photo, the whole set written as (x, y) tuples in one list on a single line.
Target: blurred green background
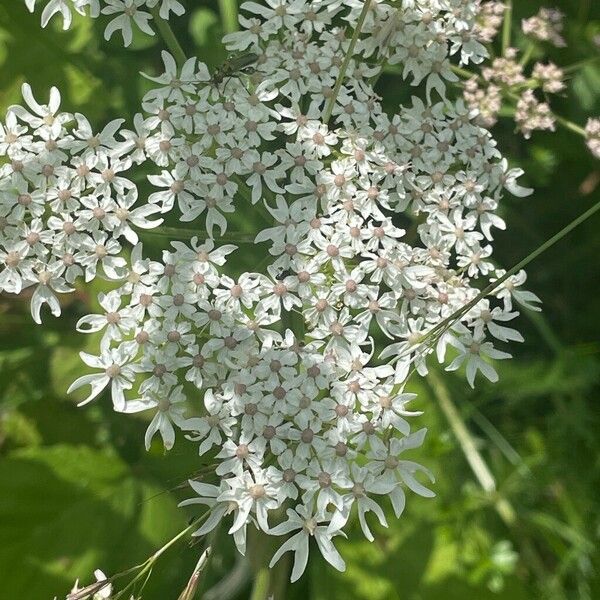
[(78, 491)]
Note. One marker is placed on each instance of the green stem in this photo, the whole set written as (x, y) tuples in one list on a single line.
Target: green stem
[(476, 461), (506, 27), (229, 15), (147, 566), (262, 581), (501, 442), (527, 54), (462, 434), (457, 314), (570, 126), (176, 233), (165, 31), (463, 72), (347, 58), (483, 473), (580, 64), (546, 332)]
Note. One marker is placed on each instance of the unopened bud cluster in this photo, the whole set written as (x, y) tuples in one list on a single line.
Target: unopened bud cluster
[(509, 82)]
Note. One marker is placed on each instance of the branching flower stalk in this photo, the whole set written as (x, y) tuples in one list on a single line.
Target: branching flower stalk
[(278, 375), (434, 335), (103, 587), (506, 78)]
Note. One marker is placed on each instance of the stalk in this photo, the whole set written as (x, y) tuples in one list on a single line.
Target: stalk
[(229, 15), (456, 315), (169, 38), (467, 443), (146, 567), (176, 233), (476, 461), (506, 27), (570, 126), (260, 589), (527, 54), (580, 64), (483, 474), (347, 58)]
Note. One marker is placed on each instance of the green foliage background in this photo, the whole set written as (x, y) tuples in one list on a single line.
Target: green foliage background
[(78, 492)]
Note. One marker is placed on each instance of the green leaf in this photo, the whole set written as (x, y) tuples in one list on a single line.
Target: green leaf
[(65, 511), (586, 85)]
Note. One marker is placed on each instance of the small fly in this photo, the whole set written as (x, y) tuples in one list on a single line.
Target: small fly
[(242, 64), (284, 273)]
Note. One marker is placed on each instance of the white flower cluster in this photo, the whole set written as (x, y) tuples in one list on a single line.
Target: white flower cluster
[(123, 14), (546, 26), (65, 201), (489, 20), (592, 136), (381, 227), (508, 82)]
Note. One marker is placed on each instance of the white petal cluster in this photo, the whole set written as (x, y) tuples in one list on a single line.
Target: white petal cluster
[(123, 15), (376, 227), (66, 203)]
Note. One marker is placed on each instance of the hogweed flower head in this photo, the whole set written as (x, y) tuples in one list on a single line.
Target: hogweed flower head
[(276, 374)]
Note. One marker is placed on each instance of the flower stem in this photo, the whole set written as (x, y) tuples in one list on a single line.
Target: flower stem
[(165, 31), (462, 434), (527, 54), (492, 287), (482, 472), (506, 27), (347, 58), (176, 233), (463, 72), (146, 567), (469, 447), (260, 589), (570, 125), (581, 64), (229, 15)]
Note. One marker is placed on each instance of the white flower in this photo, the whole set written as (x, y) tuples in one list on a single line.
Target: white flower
[(362, 483), (251, 492), (43, 116), (472, 349), (116, 370), (170, 408), (116, 320), (130, 10), (50, 278), (308, 524)]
